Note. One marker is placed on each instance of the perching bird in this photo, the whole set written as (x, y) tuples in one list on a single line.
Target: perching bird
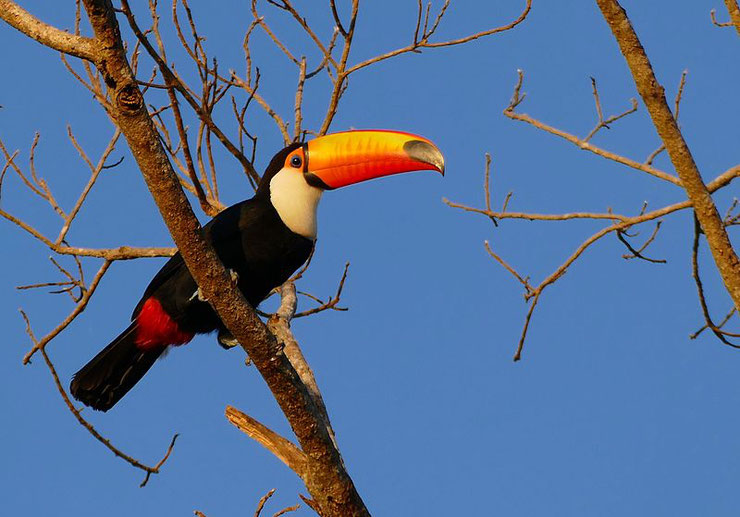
[(262, 241)]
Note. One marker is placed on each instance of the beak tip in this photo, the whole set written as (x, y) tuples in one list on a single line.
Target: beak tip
[(425, 152)]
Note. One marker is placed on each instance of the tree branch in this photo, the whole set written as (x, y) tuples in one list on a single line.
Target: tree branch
[(325, 476), (619, 223), (653, 95), (734, 11), (583, 143), (149, 470), (281, 447), (47, 35)]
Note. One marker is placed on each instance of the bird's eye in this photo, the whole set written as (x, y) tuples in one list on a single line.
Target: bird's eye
[(296, 161)]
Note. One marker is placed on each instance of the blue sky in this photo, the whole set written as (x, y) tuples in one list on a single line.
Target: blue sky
[(612, 411)]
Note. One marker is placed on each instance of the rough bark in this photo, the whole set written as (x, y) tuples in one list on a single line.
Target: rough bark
[(324, 475), (46, 34), (734, 10), (653, 95)]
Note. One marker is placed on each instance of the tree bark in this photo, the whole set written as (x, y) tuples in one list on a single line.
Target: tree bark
[(325, 477), (653, 94), (45, 34), (734, 11)]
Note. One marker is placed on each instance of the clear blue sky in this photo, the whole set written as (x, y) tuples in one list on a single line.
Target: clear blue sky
[(612, 411)]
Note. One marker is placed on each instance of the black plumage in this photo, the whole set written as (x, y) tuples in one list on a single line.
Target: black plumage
[(250, 239), (263, 241)]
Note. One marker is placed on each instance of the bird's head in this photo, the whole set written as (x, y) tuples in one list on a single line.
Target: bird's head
[(300, 173)]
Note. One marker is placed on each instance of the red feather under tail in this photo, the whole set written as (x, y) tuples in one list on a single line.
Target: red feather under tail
[(155, 328)]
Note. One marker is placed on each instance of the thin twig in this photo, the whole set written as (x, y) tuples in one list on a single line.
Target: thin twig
[(581, 143), (331, 303), (716, 330), (41, 344), (637, 253), (87, 425)]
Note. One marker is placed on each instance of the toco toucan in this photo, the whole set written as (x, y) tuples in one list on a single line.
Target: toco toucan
[(262, 240)]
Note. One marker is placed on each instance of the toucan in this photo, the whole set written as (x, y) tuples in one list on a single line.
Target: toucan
[(262, 241)]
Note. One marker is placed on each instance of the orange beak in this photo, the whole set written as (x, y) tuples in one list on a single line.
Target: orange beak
[(341, 159)]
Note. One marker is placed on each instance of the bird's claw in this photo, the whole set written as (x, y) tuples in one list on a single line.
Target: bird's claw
[(226, 340), (198, 294)]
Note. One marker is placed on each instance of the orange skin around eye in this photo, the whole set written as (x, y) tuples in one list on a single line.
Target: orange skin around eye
[(298, 153)]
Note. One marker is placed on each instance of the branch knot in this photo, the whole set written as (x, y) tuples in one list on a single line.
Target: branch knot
[(129, 98)]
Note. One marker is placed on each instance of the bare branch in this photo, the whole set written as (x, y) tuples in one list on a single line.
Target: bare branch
[(111, 254), (604, 123), (87, 425), (665, 123), (734, 11), (47, 35), (205, 204), (637, 253), (341, 71), (581, 143), (95, 172), (299, 100), (279, 325), (286, 510), (281, 125), (720, 325), (326, 52), (260, 20), (35, 184), (262, 501), (326, 478), (424, 43), (713, 16), (282, 448), (709, 323), (619, 223), (676, 110), (332, 302), (729, 219), (525, 328), (337, 20), (39, 345), (523, 280), (204, 115)]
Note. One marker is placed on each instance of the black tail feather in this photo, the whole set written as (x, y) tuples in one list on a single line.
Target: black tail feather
[(113, 372)]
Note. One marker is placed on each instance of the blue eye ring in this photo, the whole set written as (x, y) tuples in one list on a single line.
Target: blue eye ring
[(296, 161)]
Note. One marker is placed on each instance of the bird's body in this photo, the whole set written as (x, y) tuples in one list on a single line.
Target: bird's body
[(252, 241), (263, 241)]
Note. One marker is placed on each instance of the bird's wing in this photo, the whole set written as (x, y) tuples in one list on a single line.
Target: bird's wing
[(221, 230)]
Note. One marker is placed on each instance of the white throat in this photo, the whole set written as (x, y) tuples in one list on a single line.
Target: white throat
[(295, 201)]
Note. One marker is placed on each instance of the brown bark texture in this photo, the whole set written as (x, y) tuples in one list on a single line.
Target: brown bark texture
[(653, 95), (325, 477), (46, 34), (734, 10)]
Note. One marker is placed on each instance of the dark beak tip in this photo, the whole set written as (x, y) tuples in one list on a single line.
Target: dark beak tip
[(425, 152), (440, 167)]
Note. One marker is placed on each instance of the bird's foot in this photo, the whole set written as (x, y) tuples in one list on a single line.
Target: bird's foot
[(198, 294), (234, 276), (226, 340)]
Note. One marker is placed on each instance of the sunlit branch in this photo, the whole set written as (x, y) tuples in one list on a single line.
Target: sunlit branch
[(47, 35), (619, 224), (582, 143)]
